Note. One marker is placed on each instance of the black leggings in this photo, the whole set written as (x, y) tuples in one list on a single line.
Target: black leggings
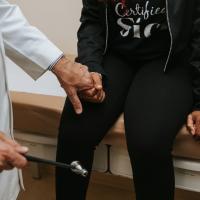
[(155, 106)]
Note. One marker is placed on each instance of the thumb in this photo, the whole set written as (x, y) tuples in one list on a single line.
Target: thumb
[(97, 80), (22, 149)]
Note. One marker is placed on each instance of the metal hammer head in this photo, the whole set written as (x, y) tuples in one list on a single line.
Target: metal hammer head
[(78, 169)]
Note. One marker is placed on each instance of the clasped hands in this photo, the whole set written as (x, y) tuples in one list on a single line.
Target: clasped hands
[(95, 94), (79, 83)]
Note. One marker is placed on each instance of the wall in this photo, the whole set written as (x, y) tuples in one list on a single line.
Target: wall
[(59, 20)]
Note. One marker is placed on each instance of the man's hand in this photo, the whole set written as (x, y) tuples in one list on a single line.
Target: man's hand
[(73, 77), (193, 124), (11, 154), (95, 94)]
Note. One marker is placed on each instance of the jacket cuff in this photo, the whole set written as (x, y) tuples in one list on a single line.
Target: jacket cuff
[(53, 64), (93, 67), (196, 107)]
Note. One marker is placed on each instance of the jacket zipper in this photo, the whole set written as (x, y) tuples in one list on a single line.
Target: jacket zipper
[(171, 36), (106, 42)]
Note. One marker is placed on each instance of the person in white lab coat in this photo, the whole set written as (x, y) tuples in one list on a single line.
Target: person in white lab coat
[(35, 54)]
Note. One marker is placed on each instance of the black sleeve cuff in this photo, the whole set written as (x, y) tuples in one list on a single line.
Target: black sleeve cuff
[(196, 107)]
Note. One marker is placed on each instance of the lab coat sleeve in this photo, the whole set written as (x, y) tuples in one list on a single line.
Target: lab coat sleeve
[(24, 44)]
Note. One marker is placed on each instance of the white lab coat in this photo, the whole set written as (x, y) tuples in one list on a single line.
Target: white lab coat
[(34, 53)]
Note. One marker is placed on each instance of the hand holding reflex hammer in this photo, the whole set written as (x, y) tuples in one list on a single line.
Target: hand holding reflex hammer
[(11, 154)]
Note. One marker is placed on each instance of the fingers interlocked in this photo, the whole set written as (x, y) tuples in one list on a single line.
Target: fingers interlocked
[(96, 94)]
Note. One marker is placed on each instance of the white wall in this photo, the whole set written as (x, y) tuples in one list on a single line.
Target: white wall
[(59, 20)]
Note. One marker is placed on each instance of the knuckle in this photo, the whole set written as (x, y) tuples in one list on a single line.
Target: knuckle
[(76, 103), (6, 150), (96, 98), (91, 93), (23, 163), (73, 96), (71, 93), (85, 67), (20, 163)]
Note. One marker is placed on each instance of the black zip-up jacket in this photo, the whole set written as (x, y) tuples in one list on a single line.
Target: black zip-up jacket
[(184, 23)]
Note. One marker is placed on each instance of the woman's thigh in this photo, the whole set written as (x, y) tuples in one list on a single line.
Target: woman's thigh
[(90, 127), (157, 106)]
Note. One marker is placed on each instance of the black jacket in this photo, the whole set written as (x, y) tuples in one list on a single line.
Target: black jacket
[(183, 20)]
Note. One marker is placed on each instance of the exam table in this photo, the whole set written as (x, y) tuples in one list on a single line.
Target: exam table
[(36, 121)]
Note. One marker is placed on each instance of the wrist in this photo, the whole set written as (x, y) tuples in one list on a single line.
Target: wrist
[(60, 65)]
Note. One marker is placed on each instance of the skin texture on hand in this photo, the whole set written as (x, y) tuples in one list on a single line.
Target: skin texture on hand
[(193, 124), (73, 77), (11, 154), (95, 94)]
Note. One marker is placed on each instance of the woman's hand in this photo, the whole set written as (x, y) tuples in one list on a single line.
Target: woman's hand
[(95, 94), (193, 124)]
